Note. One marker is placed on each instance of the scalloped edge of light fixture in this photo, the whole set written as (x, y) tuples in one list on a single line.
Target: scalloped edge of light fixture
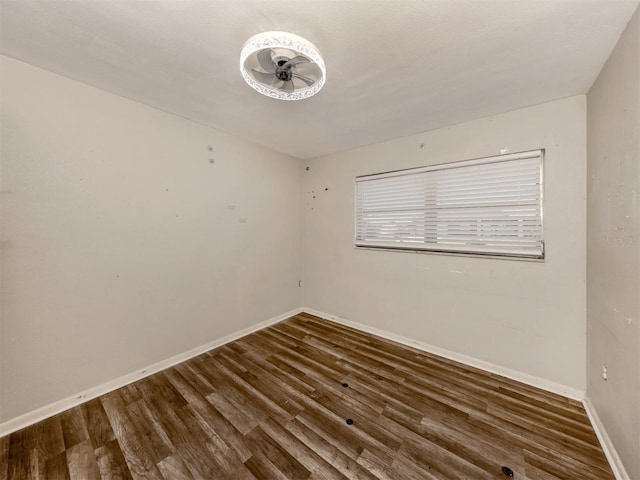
[(289, 41)]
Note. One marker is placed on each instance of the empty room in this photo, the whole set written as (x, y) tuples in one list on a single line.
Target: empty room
[(320, 239)]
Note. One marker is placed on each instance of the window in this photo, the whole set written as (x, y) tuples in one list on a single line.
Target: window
[(488, 206)]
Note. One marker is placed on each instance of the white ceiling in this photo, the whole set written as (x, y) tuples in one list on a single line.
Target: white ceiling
[(394, 68)]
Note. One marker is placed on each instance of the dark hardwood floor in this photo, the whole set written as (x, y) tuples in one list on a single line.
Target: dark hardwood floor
[(278, 405)]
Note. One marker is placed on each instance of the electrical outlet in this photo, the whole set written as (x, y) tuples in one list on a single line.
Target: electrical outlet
[(604, 372)]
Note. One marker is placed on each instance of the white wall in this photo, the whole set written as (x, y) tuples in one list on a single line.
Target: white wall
[(524, 316), (119, 248), (613, 247)]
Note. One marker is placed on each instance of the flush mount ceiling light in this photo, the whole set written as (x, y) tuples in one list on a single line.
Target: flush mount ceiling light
[(282, 65)]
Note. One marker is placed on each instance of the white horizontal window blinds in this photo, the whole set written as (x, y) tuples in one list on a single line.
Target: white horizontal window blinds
[(487, 206)]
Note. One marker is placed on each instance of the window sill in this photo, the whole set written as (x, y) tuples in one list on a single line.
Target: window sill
[(493, 256)]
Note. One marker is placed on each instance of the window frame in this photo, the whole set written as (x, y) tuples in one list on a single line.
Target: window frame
[(458, 250)]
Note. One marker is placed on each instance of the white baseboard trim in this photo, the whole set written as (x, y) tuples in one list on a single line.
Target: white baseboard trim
[(516, 375), (605, 441), (54, 408)]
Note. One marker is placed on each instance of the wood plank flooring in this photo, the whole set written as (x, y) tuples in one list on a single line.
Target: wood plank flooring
[(274, 405)]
